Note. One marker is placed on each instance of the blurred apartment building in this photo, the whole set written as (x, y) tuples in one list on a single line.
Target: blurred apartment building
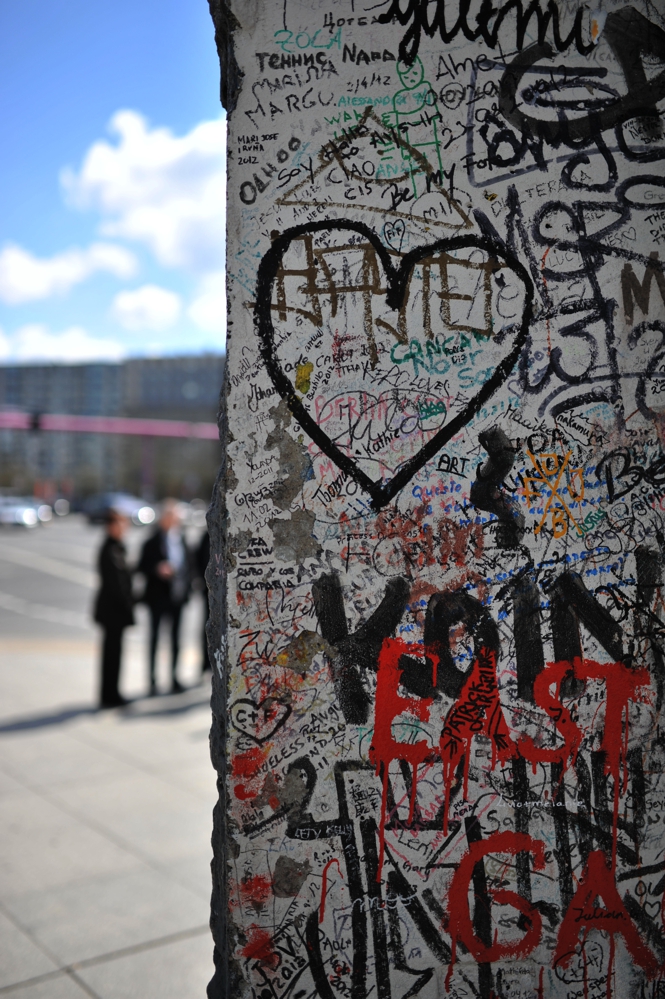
[(77, 464)]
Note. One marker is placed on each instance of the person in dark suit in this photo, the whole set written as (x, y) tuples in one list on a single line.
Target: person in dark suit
[(114, 606), (165, 563), (202, 559)]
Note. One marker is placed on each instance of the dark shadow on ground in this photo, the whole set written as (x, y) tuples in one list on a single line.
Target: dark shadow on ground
[(148, 707), (167, 704), (43, 721)]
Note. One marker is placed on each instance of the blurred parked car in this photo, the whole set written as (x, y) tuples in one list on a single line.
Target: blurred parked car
[(138, 511), (23, 511)]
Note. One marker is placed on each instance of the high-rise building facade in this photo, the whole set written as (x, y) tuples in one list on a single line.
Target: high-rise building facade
[(77, 464)]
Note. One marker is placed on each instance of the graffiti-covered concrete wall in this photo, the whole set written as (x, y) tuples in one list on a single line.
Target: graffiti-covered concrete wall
[(440, 650)]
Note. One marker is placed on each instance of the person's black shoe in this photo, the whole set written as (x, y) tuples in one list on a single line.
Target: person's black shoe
[(177, 688), (115, 702)]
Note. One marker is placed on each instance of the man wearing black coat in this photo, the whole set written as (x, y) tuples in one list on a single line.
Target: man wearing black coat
[(114, 606), (166, 564)]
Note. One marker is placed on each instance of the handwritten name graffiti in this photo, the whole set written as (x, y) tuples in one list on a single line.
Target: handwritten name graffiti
[(439, 705), (396, 281)]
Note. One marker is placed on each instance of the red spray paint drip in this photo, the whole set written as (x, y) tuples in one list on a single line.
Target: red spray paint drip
[(389, 705), (553, 674), (621, 686), (476, 712), (324, 886)]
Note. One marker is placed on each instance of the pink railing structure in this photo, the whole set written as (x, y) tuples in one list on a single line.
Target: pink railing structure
[(10, 420)]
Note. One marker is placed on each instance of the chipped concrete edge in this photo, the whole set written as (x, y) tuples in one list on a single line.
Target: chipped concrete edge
[(231, 75), (227, 979)]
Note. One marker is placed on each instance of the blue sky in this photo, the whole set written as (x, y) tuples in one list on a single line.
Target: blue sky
[(111, 180)]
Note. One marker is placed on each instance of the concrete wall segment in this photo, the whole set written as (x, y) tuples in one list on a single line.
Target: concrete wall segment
[(438, 535)]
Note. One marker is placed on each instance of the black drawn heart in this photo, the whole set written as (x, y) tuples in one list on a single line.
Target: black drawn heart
[(259, 721), (652, 909), (397, 279), (394, 233)]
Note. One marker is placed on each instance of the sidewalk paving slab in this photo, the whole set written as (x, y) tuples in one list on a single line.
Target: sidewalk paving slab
[(105, 829), (60, 987), (20, 958), (80, 921), (42, 847), (173, 971)]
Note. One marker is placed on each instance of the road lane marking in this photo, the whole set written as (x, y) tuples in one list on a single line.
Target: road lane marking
[(50, 566), (70, 553), (43, 613)]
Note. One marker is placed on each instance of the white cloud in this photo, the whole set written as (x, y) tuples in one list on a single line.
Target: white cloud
[(25, 278), (208, 310), (147, 308), (159, 189), (34, 342)]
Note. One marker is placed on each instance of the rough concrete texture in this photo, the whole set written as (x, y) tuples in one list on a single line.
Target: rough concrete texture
[(438, 696)]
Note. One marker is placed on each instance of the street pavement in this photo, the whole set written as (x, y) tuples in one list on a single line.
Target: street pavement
[(105, 817)]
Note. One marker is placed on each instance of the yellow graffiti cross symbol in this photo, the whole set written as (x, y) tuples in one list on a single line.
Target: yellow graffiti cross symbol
[(552, 480)]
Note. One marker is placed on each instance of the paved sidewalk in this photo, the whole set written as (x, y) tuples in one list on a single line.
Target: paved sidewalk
[(105, 822)]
